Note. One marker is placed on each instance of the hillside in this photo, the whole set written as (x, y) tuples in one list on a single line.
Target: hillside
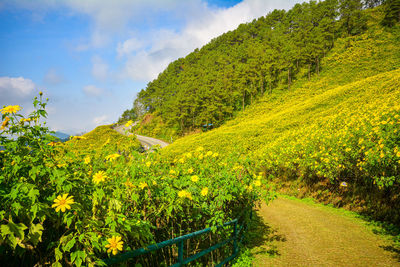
[(95, 140), (268, 56), (341, 126)]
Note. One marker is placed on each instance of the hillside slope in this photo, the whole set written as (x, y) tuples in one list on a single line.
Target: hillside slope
[(214, 83), (338, 131)]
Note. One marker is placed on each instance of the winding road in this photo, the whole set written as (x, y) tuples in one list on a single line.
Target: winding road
[(147, 142)]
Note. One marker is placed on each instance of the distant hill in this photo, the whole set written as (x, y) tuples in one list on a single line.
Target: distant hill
[(62, 136)]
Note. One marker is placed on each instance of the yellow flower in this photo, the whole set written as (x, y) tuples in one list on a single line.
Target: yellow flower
[(107, 142), (190, 171), (86, 160), (185, 194), (188, 155), (154, 183), (113, 156), (172, 172), (63, 202), (128, 183), (201, 156), (182, 160), (61, 165), (148, 164), (100, 176), (10, 109), (257, 183), (4, 124), (129, 123), (204, 191), (143, 185), (209, 153), (199, 149), (114, 244), (195, 178), (215, 155)]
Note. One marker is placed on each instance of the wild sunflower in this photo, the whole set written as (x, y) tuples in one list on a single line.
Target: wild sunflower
[(10, 109), (112, 157), (63, 202), (4, 124), (100, 176), (114, 244), (204, 191)]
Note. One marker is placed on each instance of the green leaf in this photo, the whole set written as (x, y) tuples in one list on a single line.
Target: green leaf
[(35, 233), (58, 254), (56, 264), (69, 245)]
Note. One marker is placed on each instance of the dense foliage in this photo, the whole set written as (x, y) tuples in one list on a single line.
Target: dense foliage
[(341, 126), (63, 206), (213, 83)]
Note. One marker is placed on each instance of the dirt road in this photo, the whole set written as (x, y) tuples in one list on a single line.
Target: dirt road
[(295, 233)]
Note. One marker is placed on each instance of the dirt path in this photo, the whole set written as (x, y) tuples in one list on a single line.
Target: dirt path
[(296, 233)]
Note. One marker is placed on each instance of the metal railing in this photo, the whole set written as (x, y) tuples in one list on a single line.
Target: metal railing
[(236, 237)]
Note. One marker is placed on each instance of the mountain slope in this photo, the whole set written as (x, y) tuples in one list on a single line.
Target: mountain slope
[(336, 134)]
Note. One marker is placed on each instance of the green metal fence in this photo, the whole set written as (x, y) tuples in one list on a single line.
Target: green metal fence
[(236, 238)]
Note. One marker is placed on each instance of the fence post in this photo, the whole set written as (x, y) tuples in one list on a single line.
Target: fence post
[(180, 253), (235, 238)]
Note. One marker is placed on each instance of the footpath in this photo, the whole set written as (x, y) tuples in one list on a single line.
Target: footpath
[(296, 233)]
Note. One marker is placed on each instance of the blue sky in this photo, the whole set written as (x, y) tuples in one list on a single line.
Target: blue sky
[(90, 58)]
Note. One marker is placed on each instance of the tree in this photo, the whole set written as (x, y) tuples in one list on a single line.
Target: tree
[(392, 13), (352, 19)]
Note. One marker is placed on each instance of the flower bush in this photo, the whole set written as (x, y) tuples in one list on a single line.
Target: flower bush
[(61, 206)]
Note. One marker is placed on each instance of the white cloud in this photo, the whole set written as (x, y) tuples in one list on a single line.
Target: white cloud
[(16, 87), (100, 120), (91, 90), (129, 46), (52, 77), (99, 68), (203, 24)]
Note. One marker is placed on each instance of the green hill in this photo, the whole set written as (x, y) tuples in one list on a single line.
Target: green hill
[(336, 135), (271, 54)]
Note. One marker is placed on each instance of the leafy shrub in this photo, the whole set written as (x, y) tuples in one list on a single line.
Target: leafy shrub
[(63, 207)]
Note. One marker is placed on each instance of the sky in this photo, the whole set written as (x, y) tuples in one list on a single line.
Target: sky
[(91, 57)]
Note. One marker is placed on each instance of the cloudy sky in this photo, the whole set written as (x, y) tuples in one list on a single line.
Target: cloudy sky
[(91, 57)]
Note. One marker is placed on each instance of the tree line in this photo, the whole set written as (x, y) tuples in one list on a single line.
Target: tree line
[(213, 83)]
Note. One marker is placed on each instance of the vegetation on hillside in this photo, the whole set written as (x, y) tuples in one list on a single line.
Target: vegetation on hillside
[(95, 140), (214, 83), (340, 130), (75, 204)]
